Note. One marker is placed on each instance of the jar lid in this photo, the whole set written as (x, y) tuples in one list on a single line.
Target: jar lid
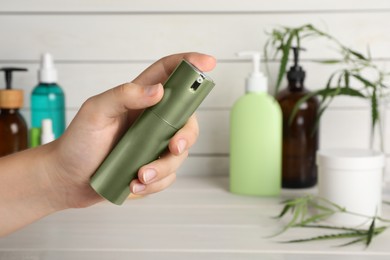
[(11, 98), (353, 159)]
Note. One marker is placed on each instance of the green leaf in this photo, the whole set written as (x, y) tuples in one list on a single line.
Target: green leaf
[(370, 232), (330, 61), (326, 237), (331, 78), (314, 218), (321, 207), (350, 92), (339, 91), (362, 231), (357, 54), (334, 205), (366, 82), (346, 79), (284, 211), (353, 242), (283, 63), (318, 119), (374, 109)]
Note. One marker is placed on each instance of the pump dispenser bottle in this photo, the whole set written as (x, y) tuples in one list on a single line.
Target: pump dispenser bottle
[(255, 138), (300, 138), (13, 127), (47, 99)]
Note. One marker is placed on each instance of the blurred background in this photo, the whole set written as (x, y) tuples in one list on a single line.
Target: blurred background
[(100, 44)]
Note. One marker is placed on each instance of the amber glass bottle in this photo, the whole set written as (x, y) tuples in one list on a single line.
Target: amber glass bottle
[(13, 127), (300, 139)]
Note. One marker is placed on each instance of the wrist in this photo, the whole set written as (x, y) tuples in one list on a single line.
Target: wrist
[(68, 184), (49, 176), (25, 189)]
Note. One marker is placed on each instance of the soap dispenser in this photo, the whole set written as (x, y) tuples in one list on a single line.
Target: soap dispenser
[(255, 138), (300, 137), (47, 99), (13, 127)]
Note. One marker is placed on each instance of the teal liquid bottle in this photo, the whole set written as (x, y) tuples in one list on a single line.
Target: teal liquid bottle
[(48, 99), (256, 138)]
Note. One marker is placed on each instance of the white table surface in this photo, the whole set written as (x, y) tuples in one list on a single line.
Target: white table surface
[(196, 218)]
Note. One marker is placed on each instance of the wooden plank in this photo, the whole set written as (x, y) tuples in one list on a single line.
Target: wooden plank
[(110, 229), (352, 125), (148, 37), (178, 254), (83, 80), (339, 128), (121, 6)]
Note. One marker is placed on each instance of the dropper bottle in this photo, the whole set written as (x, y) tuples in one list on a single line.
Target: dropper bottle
[(300, 136), (48, 99), (13, 127)]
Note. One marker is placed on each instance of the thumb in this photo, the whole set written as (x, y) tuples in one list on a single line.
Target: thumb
[(128, 96)]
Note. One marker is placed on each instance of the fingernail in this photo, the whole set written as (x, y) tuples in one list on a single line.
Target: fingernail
[(152, 90), (138, 188), (181, 145), (149, 175)]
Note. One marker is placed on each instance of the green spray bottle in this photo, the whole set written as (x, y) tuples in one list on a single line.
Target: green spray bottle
[(255, 138), (149, 136)]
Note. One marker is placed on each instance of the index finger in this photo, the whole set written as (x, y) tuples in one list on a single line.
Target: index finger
[(159, 71)]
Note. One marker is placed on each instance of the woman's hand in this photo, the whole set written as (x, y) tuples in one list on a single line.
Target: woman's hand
[(55, 176), (100, 123)]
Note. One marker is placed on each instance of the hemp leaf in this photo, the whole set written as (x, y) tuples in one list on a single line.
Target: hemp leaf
[(301, 216)]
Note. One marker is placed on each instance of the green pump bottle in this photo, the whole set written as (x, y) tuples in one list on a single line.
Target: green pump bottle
[(255, 138)]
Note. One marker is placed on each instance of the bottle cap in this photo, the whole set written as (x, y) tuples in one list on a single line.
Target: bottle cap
[(11, 98), (47, 134), (47, 73), (256, 81)]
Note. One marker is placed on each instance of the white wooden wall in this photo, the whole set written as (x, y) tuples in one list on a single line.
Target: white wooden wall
[(100, 44)]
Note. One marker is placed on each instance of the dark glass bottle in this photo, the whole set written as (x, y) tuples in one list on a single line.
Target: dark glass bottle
[(13, 127), (300, 139), (13, 131)]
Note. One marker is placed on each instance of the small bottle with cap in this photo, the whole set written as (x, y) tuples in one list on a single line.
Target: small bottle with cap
[(13, 127), (255, 138), (47, 134), (48, 99)]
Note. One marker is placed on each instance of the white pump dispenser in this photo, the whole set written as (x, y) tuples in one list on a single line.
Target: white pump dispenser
[(255, 137), (256, 81), (47, 73)]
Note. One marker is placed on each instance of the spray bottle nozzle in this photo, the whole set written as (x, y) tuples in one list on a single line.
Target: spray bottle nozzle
[(256, 81), (47, 72), (8, 75)]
